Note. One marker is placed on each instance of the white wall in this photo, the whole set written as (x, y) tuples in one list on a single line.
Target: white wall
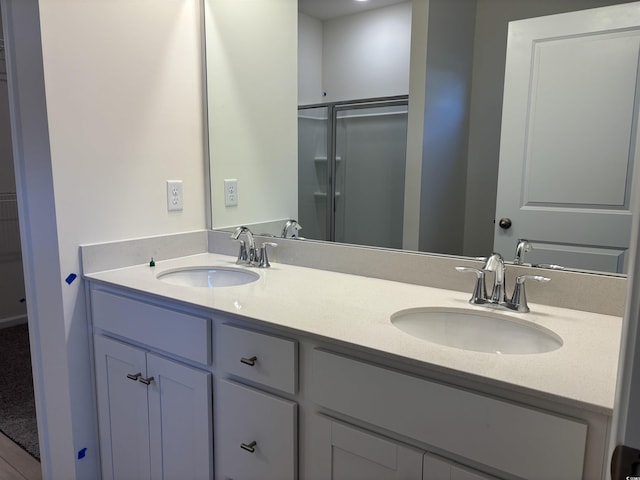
[(125, 114), (367, 55), (108, 110), (309, 60), (252, 84), (415, 124), (447, 93)]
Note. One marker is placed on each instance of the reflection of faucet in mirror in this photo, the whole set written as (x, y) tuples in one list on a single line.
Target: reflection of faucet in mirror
[(522, 247), (498, 297), (287, 232)]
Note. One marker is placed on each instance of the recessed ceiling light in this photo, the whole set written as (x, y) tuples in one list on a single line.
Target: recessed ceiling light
[(362, 0)]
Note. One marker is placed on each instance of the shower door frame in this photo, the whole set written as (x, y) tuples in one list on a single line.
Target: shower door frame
[(333, 109)]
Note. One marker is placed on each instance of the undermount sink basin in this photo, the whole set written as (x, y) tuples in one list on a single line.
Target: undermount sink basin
[(208, 277), (477, 331)]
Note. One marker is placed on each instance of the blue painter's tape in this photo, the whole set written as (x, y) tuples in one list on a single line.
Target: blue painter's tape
[(71, 278), (82, 453)]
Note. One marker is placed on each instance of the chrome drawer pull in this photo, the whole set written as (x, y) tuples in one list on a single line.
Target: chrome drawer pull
[(134, 376), (249, 448), (146, 381), (249, 361)]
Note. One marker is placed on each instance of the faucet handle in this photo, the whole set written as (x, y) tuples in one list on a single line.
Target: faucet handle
[(479, 295), (518, 300), (264, 259)]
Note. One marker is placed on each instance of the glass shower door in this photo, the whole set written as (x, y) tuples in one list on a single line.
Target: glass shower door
[(370, 152), (351, 167), (314, 171)]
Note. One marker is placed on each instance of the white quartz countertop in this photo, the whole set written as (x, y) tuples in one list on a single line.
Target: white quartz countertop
[(357, 310)]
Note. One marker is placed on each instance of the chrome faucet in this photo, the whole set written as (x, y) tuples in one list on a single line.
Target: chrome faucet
[(495, 264), (287, 226), (249, 254), (522, 247), (498, 297)]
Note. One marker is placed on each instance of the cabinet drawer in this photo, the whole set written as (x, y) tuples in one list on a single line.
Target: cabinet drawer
[(520, 441), (261, 358), (178, 333), (255, 434)]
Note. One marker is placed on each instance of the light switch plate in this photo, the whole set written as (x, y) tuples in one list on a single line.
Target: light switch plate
[(231, 192), (174, 195)]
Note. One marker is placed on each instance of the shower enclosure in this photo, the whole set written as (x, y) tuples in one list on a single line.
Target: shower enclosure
[(351, 169)]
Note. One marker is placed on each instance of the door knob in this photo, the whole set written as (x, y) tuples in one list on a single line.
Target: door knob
[(504, 223)]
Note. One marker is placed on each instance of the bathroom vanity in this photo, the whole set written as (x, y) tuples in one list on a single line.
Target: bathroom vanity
[(300, 374)]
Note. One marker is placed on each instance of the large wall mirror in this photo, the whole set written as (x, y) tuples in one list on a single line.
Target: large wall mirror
[(379, 123)]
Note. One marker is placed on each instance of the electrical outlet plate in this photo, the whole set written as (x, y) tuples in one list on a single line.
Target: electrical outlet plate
[(174, 195), (231, 192)]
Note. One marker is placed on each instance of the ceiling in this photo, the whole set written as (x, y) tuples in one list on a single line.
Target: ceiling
[(326, 9)]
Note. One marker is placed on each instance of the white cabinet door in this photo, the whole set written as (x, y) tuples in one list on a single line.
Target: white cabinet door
[(348, 453), (122, 410), (180, 424), (436, 468), (157, 431), (255, 434), (447, 418), (569, 139)]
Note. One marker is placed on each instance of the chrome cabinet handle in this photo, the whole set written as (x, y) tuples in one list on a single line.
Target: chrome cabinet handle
[(146, 381), (249, 447), (134, 376), (249, 361)]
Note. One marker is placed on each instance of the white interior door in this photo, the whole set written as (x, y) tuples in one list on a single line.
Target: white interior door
[(569, 137)]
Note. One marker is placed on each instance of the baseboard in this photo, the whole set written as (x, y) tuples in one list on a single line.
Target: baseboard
[(12, 321)]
